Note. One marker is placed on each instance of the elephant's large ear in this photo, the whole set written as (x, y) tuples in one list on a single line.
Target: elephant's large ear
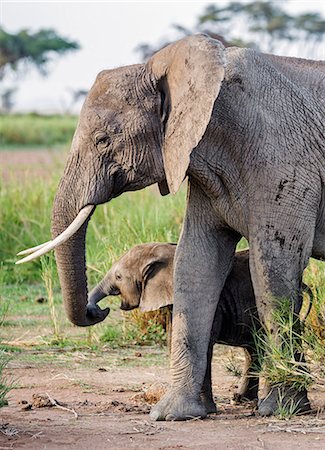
[(157, 278), (190, 73)]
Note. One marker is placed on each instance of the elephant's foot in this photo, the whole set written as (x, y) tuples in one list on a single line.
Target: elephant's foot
[(239, 398), (209, 404), (249, 394), (178, 406), (284, 398)]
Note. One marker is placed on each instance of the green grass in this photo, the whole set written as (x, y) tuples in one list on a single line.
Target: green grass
[(280, 352), (5, 384), (36, 130)]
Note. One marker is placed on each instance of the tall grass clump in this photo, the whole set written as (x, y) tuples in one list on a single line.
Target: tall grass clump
[(5, 383), (282, 348), (36, 130), (147, 327), (48, 276), (280, 353)]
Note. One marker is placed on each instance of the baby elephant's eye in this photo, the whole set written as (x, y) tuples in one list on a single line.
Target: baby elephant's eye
[(118, 276)]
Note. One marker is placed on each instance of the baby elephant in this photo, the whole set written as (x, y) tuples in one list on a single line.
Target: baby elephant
[(143, 277)]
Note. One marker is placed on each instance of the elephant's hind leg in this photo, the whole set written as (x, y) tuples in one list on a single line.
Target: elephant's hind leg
[(248, 389)]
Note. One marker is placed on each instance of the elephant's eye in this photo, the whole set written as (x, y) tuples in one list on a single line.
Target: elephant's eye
[(118, 276), (103, 140)]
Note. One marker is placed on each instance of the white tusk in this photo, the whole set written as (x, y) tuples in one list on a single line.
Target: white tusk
[(71, 230), (28, 251)]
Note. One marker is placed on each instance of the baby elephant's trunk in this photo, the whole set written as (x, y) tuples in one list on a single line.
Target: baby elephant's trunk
[(97, 294)]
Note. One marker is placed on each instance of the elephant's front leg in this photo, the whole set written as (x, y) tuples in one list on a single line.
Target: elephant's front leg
[(203, 261), (206, 391)]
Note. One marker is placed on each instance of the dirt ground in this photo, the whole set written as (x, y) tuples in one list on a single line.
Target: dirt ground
[(83, 403)]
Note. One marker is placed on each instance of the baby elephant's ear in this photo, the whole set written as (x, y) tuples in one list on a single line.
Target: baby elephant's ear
[(157, 283)]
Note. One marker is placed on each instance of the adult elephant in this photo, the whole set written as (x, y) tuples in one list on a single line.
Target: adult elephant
[(248, 130)]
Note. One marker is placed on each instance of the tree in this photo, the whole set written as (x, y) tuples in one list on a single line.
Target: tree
[(261, 24), (6, 99), (27, 48), (266, 23)]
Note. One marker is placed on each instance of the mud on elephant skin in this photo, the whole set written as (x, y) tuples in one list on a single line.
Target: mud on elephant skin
[(143, 277), (247, 129)]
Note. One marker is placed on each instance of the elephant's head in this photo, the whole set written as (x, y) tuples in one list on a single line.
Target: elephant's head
[(143, 277), (137, 127)]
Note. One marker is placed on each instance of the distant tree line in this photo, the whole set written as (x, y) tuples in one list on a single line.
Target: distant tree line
[(264, 25)]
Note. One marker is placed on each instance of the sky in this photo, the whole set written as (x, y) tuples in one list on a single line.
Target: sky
[(108, 33)]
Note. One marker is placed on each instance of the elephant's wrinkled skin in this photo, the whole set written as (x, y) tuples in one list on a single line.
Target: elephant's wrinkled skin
[(248, 130), (143, 277)]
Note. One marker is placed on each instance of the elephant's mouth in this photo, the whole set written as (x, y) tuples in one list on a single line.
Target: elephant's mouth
[(126, 306), (42, 249)]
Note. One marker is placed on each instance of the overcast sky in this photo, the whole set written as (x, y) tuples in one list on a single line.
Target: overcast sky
[(107, 32)]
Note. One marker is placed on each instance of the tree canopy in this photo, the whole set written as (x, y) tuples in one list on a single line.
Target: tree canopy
[(266, 23), (30, 48)]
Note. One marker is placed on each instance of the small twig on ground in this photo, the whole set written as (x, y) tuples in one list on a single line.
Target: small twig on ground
[(37, 435), (55, 403), (146, 428), (62, 376)]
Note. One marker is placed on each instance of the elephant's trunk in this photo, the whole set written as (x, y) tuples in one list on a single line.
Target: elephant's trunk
[(71, 264), (102, 290), (97, 294)]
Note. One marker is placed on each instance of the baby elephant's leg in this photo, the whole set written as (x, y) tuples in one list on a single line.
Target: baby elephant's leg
[(206, 392), (248, 389)]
